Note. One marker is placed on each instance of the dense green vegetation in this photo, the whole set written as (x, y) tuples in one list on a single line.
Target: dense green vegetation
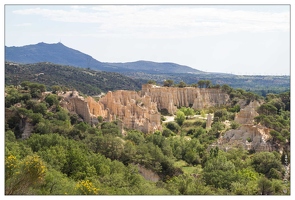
[(64, 155), (87, 81), (258, 84)]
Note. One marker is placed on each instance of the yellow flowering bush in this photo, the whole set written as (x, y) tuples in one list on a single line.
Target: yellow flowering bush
[(20, 175), (34, 167), (10, 166), (86, 187)]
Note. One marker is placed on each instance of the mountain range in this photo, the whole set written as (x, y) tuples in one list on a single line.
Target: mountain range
[(133, 73), (63, 55)]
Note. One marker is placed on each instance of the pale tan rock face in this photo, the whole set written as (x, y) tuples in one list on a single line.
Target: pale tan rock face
[(139, 110), (209, 121), (246, 115), (172, 97), (134, 111), (76, 104), (249, 136)]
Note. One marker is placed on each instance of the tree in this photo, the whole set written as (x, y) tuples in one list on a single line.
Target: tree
[(207, 83), (167, 132), (267, 109), (180, 117), (263, 162), (54, 155), (182, 84), (220, 114), (201, 83), (56, 183), (226, 88), (204, 83), (187, 111), (52, 99), (219, 172), (265, 186), (196, 132), (168, 83), (135, 136), (173, 127), (55, 89), (110, 128), (152, 82)]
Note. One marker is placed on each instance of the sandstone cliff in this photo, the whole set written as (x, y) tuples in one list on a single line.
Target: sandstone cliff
[(77, 104), (132, 110), (135, 111), (139, 110), (172, 97)]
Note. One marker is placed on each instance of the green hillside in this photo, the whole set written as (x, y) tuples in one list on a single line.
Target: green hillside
[(62, 155), (87, 81)]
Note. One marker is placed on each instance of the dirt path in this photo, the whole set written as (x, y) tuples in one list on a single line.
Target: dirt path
[(171, 118)]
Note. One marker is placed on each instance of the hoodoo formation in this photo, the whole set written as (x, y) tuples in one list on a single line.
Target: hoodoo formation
[(249, 135), (171, 98), (139, 110)]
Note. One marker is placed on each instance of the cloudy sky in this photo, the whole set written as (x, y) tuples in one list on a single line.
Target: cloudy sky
[(238, 39)]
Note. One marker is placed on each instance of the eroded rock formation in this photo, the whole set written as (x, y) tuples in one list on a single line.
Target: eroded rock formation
[(132, 110), (251, 137), (135, 111), (246, 115), (248, 135), (209, 121), (77, 104), (139, 110), (172, 97)]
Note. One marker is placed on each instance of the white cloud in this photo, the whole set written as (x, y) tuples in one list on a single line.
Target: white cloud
[(24, 24), (166, 21)]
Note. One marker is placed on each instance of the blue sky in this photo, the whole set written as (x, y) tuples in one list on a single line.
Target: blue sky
[(238, 39)]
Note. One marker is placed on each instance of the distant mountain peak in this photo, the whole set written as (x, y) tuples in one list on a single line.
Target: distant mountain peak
[(60, 54), (48, 44)]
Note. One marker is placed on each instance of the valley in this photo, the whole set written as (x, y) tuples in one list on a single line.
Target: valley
[(78, 126), (125, 131)]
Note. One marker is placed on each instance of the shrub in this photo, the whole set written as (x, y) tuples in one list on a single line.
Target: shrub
[(173, 126), (234, 125), (167, 132)]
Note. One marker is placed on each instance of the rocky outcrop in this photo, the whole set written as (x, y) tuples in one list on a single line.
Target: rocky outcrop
[(132, 110), (148, 174), (135, 111), (77, 104), (248, 135), (246, 115), (251, 137), (209, 121), (139, 110), (27, 130), (172, 97)]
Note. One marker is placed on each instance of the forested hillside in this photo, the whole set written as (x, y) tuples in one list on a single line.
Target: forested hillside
[(139, 71), (258, 84), (50, 151), (89, 82)]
